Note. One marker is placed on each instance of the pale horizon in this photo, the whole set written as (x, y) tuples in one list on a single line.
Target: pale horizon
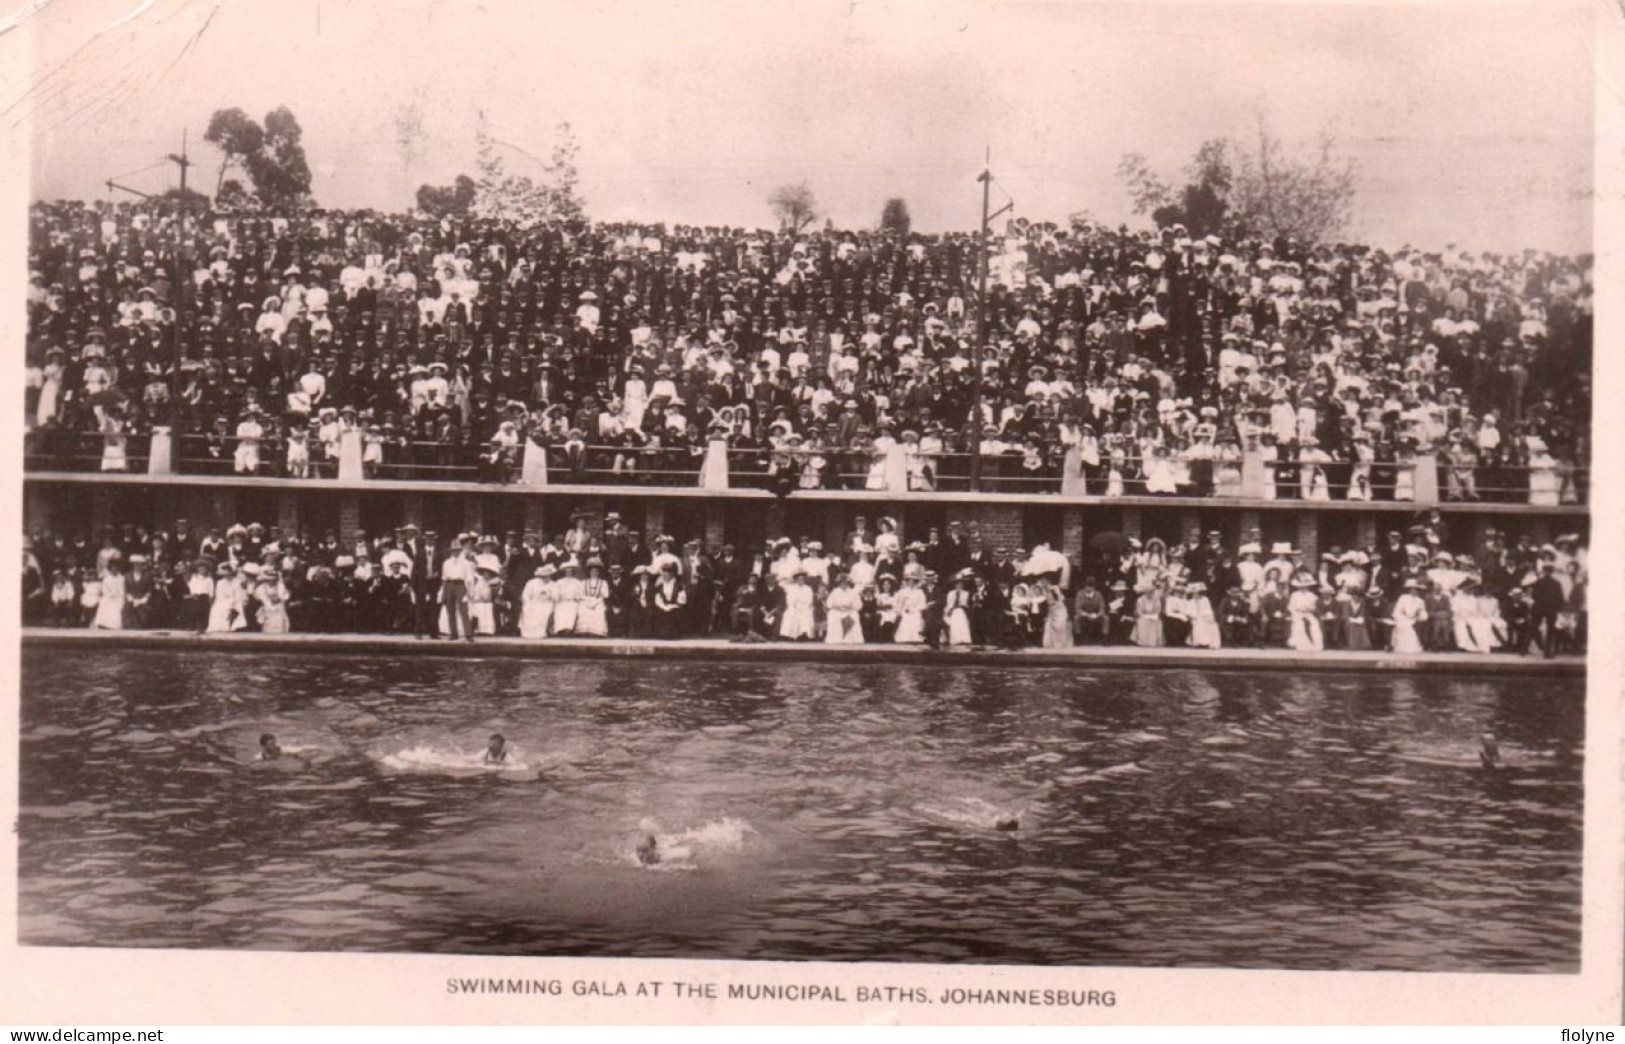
[(1470, 126)]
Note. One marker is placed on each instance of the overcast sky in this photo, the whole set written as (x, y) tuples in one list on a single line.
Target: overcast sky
[(1470, 125)]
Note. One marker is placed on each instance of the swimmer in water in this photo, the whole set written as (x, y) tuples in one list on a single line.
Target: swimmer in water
[(1489, 751), (649, 850), (496, 751), (1007, 823), (269, 749)]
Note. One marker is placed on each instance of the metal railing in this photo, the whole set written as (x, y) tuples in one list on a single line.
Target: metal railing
[(787, 470)]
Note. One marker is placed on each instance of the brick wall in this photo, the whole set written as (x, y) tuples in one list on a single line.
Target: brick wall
[(350, 515), (1131, 522), (716, 526), (1072, 534), (996, 525), (287, 513), (1190, 525), (535, 515), (1309, 538)]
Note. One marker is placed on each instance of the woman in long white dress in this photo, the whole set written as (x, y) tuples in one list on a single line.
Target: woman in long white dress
[(1204, 625), (1463, 615), (841, 605), (226, 611), (1159, 469), (798, 622), (110, 610), (1409, 611), (536, 609), (592, 619), (910, 606), (567, 594), (1303, 614), (1544, 481), (956, 612), (115, 443), (273, 599), (482, 600), (714, 468)]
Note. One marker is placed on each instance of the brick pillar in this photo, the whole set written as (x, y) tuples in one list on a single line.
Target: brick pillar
[(350, 516), (535, 516), (1366, 531), (1190, 525), (1540, 530), (37, 507), (594, 507), (773, 519), (473, 514), (287, 513), (654, 519), (222, 506), (1131, 522), (834, 527), (412, 509), (1309, 537), (101, 509), (1249, 523), (1002, 526), (1072, 534), (716, 525)]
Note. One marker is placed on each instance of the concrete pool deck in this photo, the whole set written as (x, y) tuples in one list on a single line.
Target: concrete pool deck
[(720, 650)]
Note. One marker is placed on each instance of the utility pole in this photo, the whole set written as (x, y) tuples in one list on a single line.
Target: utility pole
[(986, 178), (182, 284)]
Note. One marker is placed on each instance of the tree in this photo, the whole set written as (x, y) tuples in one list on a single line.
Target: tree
[(894, 216), (564, 198), (442, 200), (272, 155), (237, 137), (1200, 206), (232, 195), (504, 196), (794, 205), (281, 174), (1254, 187), (1306, 194), (190, 198)]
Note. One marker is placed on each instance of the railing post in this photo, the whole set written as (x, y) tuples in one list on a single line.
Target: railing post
[(533, 466), (160, 454), (1425, 480), (714, 471), (1253, 474), (350, 469)]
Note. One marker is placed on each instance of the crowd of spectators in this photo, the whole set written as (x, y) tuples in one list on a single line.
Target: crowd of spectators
[(1111, 361), (1408, 593)]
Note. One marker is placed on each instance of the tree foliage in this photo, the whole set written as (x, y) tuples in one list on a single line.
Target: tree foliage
[(795, 206), (894, 216), (444, 200), (1253, 187), (237, 137), (563, 180), (272, 155), (517, 197)]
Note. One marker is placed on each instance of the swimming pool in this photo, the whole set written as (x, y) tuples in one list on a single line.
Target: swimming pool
[(1166, 817)]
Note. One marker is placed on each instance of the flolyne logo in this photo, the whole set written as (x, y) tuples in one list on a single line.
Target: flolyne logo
[(1581, 1036)]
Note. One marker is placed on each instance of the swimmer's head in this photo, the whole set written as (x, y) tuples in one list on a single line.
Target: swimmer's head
[(1007, 823), (648, 850), (497, 747), (269, 749)]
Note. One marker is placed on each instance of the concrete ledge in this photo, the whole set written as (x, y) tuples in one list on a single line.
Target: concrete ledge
[(429, 486), (1092, 657)]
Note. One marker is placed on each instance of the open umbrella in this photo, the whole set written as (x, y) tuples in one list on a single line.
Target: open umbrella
[(1109, 542)]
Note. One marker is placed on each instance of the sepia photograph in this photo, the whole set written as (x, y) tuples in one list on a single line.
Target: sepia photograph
[(1059, 485)]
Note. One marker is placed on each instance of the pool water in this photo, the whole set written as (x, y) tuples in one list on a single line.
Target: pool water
[(1162, 817)]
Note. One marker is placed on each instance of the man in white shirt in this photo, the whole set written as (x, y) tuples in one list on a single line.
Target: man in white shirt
[(456, 570)]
